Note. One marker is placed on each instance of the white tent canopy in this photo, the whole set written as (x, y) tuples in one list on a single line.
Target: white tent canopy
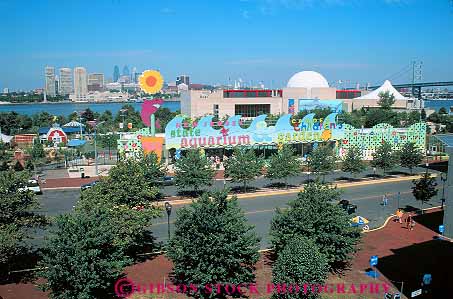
[(73, 124), (387, 86), (5, 138)]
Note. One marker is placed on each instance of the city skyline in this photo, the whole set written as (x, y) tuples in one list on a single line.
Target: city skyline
[(255, 40)]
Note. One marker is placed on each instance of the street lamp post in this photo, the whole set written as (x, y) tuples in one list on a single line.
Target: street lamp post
[(79, 114), (399, 195), (168, 209), (443, 178), (95, 153), (122, 115), (95, 125), (427, 163)]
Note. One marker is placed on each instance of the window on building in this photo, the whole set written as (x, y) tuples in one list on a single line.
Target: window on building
[(252, 110)]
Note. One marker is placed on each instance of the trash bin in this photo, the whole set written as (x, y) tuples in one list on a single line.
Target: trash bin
[(82, 173)]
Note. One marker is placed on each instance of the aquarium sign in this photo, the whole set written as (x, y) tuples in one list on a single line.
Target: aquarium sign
[(183, 133)]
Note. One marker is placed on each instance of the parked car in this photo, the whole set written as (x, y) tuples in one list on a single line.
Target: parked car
[(348, 207), (166, 181), (32, 185), (89, 185)]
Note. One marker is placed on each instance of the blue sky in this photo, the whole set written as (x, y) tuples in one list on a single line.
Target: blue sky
[(213, 40)]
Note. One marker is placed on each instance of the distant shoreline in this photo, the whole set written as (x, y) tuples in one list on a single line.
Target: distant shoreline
[(70, 102)]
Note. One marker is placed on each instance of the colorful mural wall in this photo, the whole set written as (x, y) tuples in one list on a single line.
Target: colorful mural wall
[(183, 133), (370, 139), (140, 142)]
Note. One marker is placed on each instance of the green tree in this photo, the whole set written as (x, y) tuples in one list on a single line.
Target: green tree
[(154, 169), (410, 156), (127, 184), (378, 116), (106, 116), (29, 165), (322, 160), (424, 188), (4, 166), (312, 215), (193, 170), (434, 117), (16, 217), (386, 100), (243, 166), (42, 119), (37, 151), (352, 161), (384, 157), (283, 165), (443, 110), (88, 249), (423, 115), (164, 115), (300, 262), (88, 115), (213, 243), (129, 115), (18, 166)]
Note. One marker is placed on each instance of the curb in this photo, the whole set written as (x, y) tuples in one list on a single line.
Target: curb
[(393, 215), (59, 188)]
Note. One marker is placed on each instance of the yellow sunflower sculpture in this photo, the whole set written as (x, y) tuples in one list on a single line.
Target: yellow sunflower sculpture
[(151, 81)]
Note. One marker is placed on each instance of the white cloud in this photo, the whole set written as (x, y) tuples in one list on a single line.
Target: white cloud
[(245, 14), (167, 10)]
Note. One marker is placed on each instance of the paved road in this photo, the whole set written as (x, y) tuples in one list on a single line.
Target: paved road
[(296, 180), (259, 210)]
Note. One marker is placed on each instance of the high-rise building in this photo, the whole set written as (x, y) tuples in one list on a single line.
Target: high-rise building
[(125, 71), (95, 82), (134, 71), (80, 83), (116, 73), (65, 83), (6, 90), (56, 85), (50, 81), (136, 77), (182, 79)]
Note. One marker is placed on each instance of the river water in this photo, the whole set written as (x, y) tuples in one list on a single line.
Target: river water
[(68, 108)]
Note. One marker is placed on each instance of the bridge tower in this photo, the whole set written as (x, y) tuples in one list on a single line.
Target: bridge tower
[(416, 78)]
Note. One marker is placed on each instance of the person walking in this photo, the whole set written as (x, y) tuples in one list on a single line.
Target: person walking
[(412, 224), (399, 215), (384, 200), (408, 222)]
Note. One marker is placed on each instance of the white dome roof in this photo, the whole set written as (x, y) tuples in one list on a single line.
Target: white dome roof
[(307, 79)]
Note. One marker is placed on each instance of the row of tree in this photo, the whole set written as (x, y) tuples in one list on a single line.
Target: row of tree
[(15, 123), (86, 250), (194, 170), (214, 244)]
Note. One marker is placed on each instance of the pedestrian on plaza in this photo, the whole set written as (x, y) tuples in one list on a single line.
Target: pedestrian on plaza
[(217, 162), (408, 221), (384, 200), (399, 215), (412, 224)]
